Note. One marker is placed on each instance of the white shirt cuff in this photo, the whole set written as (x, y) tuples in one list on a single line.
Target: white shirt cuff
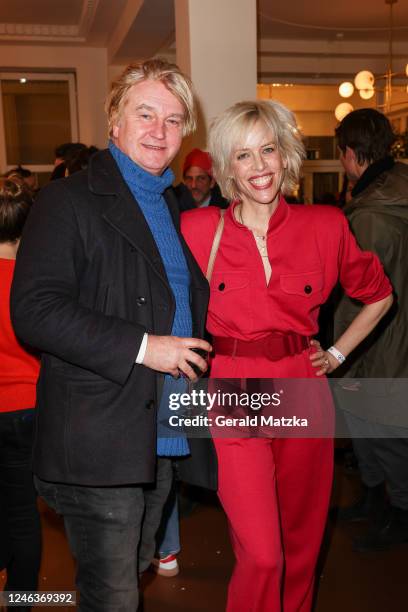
[(142, 349)]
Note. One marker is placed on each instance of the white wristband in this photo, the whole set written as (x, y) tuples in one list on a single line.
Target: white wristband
[(336, 354)]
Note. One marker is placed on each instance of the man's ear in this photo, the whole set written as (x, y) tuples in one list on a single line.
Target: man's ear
[(350, 155), (115, 131)]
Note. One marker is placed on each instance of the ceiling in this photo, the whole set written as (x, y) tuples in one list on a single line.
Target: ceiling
[(132, 29), (366, 20)]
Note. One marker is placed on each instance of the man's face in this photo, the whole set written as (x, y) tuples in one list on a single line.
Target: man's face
[(149, 128), (199, 183), (350, 164)]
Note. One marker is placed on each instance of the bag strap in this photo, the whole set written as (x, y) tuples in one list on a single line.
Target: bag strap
[(215, 245)]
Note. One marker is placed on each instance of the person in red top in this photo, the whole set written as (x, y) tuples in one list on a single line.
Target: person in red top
[(20, 544), (274, 268)]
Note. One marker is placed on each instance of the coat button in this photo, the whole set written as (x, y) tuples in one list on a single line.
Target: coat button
[(308, 289), (150, 404), (221, 286), (141, 301)]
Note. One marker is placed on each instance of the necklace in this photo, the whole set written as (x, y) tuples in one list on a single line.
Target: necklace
[(260, 239)]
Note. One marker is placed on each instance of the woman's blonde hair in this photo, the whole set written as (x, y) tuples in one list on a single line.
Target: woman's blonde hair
[(230, 130), (156, 70)]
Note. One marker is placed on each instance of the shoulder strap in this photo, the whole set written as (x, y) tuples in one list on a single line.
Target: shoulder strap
[(215, 245)]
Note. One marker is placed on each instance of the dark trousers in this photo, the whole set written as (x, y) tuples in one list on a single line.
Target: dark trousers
[(20, 530), (111, 532), (382, 455)]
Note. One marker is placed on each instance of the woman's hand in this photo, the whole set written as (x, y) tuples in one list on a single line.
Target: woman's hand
[(322, 359)]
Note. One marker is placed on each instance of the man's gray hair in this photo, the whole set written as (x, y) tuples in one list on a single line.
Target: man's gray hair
[(155, 70)]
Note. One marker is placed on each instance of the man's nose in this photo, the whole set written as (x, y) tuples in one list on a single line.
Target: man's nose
[(158, 129)]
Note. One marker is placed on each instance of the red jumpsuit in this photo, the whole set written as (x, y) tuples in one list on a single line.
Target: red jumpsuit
[(275, 492)]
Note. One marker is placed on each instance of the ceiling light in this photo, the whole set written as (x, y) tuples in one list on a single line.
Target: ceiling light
[(346, 89), (365, 81), (366, 94), (342, 110)]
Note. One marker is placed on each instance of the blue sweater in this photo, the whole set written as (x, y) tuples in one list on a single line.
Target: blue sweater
[(148, 190)]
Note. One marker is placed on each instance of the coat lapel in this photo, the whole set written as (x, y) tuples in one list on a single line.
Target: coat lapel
[(124, 213), (126, 217)]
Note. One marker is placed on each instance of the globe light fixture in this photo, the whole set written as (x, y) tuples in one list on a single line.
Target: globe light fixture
[(366, 82), (366, 94), (342, 110), (346, 89)]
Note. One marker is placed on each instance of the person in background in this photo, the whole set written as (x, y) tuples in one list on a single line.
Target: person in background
[(275, 265), (107, 289), (20, 531), (63, 154), (79, 161), (29, 178), (199, 189), (378, 215)]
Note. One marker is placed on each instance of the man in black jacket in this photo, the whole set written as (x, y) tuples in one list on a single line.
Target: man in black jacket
[(106, 288)]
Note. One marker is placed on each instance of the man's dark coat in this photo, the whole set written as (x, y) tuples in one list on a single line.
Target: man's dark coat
[(89, 281)]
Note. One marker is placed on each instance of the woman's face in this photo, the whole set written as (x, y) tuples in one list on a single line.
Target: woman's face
[(257, 167)]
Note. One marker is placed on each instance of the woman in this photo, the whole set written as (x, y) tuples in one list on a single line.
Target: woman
[(274, 267), (20, 542)]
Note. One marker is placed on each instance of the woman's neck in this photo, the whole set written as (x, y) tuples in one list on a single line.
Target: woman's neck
[(8, 250), (255, 216)]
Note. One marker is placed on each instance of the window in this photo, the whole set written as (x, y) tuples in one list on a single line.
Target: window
[(37, 113)]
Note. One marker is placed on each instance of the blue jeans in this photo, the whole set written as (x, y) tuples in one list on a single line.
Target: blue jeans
[(111, 532), (168, 537), (20, 529)]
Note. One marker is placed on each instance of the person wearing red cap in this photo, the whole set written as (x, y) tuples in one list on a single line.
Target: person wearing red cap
[(199, 180)]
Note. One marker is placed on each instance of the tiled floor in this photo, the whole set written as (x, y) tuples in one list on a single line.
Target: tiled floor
[(349, 582)]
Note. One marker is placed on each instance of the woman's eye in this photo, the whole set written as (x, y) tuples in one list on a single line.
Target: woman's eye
[(241, 156), (269, 149), (174, 122), (145, 116)]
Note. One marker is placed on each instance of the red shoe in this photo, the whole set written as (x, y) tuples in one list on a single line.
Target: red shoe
[(167, 566)]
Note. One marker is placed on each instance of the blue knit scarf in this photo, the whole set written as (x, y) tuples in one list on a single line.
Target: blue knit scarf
[(148, 190)]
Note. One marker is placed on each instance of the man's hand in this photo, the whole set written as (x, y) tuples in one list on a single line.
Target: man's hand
[(171, 354)]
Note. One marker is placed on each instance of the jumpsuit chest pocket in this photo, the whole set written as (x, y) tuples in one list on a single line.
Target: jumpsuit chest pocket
[(308, 285), (230, 299)]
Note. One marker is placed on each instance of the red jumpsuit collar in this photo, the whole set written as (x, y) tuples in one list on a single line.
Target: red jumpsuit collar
[(276, 222)]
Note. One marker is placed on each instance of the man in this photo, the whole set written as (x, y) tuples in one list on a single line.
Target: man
[(103, 287), (378, 214), (63, 154), (199, 181)]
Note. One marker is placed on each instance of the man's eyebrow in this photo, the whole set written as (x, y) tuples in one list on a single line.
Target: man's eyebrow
[(144, 106)]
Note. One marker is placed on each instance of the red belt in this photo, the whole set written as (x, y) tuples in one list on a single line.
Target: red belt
[(275, 346)]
